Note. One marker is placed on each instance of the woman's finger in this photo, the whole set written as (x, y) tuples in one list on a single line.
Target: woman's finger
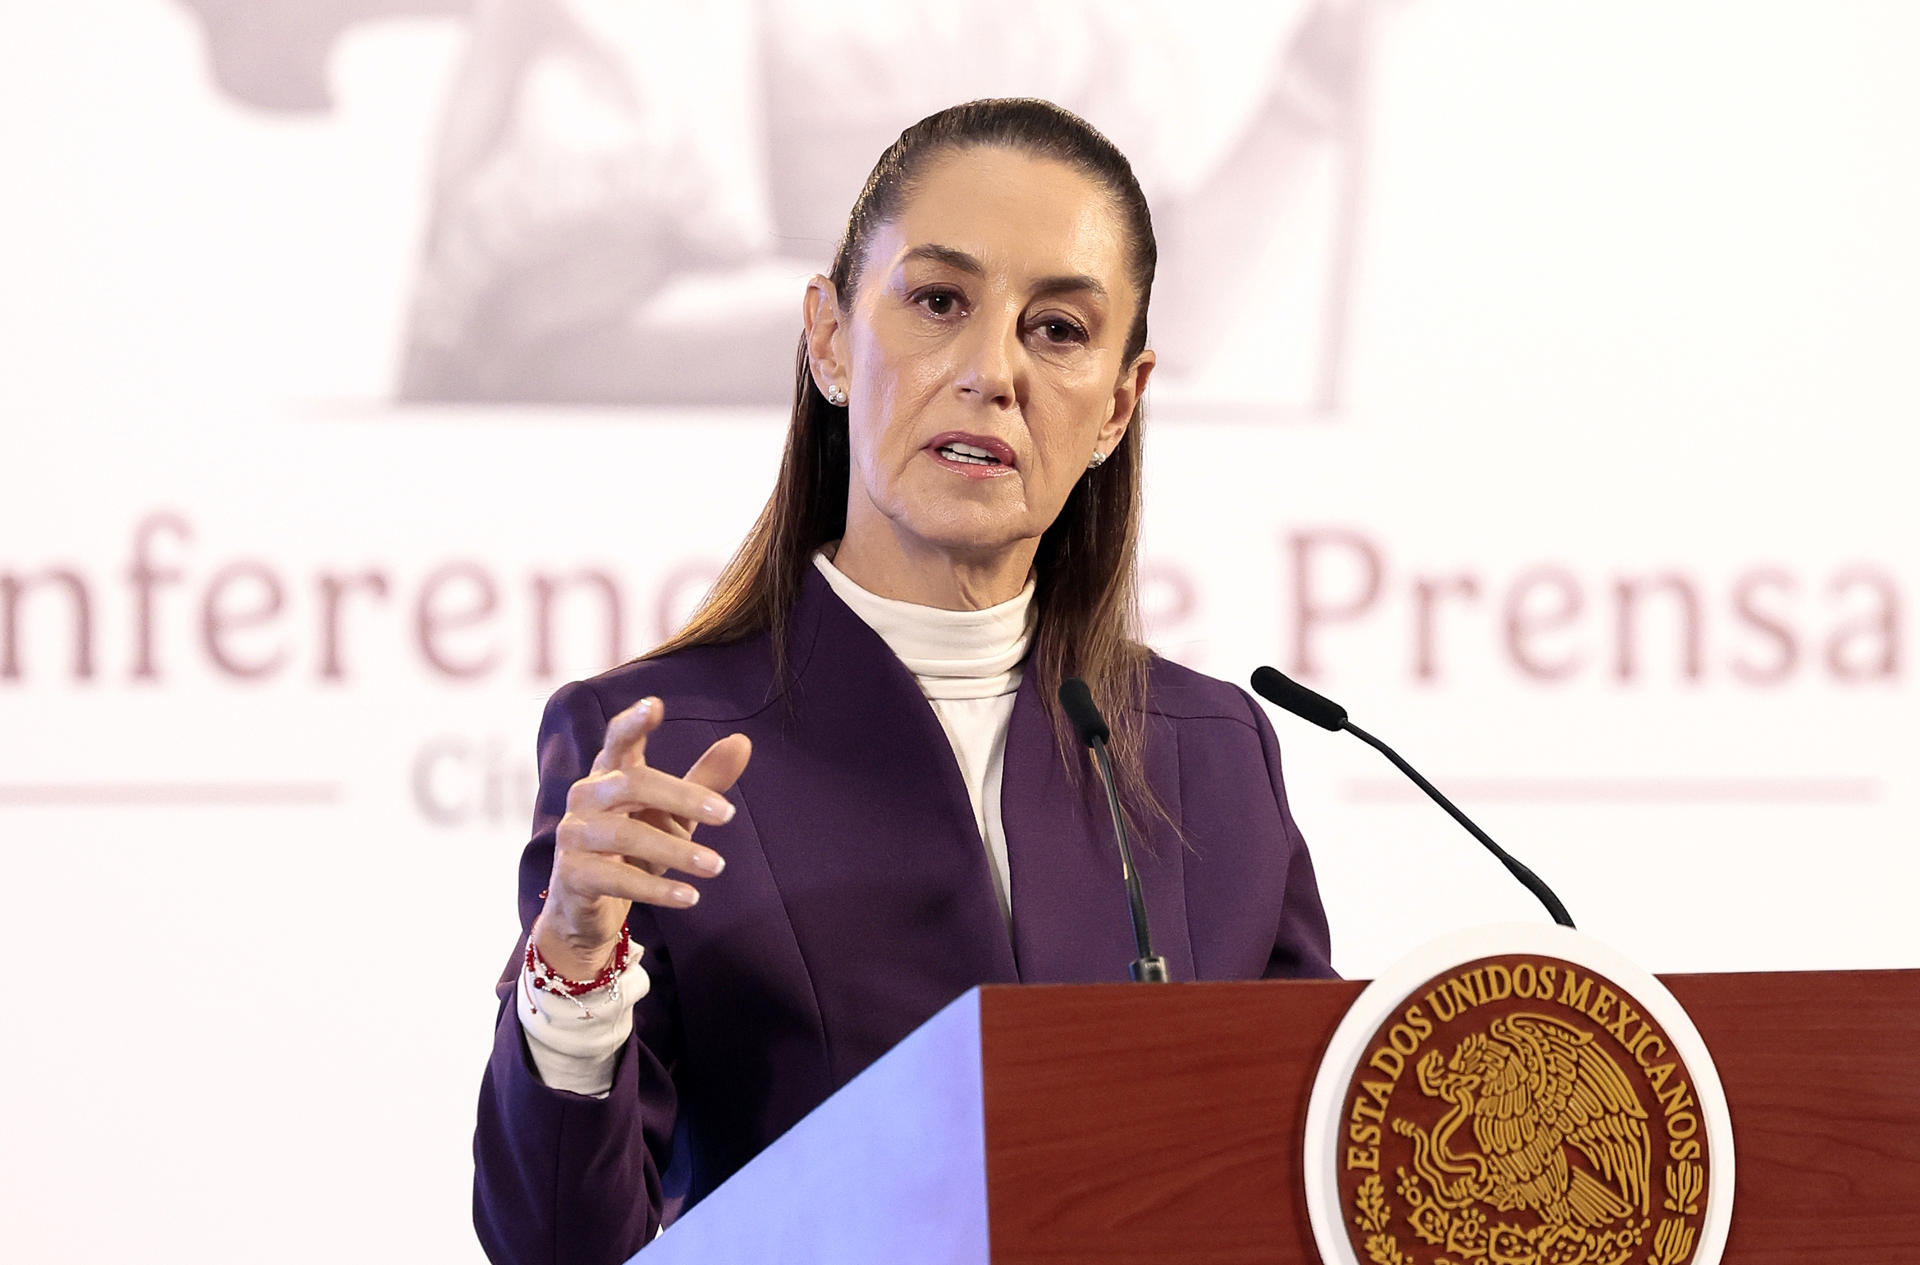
[(721, 765), (628, 837), (640, 788), (626, 740), (603, 875)]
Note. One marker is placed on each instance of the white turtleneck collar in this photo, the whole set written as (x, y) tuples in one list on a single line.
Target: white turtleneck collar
[(953, 654)]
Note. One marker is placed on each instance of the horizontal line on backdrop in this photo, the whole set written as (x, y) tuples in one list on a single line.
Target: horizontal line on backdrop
[(1629, 790), (184, 794)]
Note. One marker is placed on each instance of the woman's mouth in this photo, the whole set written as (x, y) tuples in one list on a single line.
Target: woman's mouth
[(965, 452), (975, 455)]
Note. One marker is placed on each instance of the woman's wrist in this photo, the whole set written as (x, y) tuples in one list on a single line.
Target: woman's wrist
[(570, 955), (577, 988)]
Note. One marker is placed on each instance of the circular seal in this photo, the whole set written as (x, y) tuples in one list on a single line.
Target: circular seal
[(1518, 1096)]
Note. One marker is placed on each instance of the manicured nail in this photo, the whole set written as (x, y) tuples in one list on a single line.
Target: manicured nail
[(684, 896), (708, 862)]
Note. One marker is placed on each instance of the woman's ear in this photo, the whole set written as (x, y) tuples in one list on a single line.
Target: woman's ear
[(825, 339), (1126, 397)]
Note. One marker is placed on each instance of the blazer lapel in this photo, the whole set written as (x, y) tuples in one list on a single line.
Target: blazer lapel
[(871, 837)]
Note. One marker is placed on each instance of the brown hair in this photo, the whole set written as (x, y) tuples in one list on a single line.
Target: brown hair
[(1086, 591)]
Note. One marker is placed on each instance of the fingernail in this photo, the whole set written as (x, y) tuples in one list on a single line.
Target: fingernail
[(709, 862), (685, 896), (719, 811), (646, 706)]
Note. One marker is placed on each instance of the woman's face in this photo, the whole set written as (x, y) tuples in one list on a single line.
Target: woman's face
[(981, 353)]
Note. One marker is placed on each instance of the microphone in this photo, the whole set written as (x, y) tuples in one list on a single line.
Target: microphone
[(1284, 692), (1077, 700)]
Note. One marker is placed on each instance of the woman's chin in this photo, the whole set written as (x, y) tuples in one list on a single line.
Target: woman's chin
[(973, 532)]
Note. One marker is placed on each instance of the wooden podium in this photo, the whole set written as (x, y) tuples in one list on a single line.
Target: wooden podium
[(1127, 1123)]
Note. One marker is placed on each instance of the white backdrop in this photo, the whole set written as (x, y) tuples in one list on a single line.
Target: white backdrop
[(1561, 425)]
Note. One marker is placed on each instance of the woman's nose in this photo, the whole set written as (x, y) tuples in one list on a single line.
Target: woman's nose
[(990, 363)]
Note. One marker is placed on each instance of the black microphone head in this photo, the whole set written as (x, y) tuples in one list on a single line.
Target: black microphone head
[(1077, 699), (1284, 691)]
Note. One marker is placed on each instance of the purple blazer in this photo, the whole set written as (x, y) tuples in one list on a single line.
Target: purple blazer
[(856, 902)]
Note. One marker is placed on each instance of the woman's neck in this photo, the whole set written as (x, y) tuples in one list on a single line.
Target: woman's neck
[(885, 565)]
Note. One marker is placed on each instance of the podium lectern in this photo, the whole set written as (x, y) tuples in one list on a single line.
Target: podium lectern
[(1132, 1124)]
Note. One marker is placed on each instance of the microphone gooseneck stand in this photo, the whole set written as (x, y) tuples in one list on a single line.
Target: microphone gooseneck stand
[(1286, 693), (1077, 699)]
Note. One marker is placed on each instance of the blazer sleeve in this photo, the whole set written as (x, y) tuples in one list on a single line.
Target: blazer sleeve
[(1302, 947), (561, 1177)]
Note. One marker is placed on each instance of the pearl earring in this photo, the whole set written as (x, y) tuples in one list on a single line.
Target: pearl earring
[(1094, 462), (837, 396)]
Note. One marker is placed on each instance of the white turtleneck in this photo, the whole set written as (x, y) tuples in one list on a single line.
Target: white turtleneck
[(968, 665)]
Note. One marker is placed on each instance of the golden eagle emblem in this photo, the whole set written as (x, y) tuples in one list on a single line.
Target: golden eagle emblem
[(1557, 1129), (1521, 1111)]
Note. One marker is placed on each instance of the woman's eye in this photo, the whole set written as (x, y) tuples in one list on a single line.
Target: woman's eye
[(1057, 329), (939, 302)]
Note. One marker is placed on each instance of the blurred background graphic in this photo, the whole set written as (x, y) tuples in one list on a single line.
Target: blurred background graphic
[(1538, 380)]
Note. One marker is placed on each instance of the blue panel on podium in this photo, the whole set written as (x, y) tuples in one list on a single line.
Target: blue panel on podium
[(889, 1171)]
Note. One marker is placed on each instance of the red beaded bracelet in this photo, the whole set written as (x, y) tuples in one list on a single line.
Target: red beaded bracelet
[(543, 977)]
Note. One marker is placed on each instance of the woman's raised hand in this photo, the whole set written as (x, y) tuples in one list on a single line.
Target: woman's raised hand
[(625, 827)]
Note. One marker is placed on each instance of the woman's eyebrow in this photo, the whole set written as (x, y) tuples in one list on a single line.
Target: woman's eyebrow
[(1078, 283), (961, 261)]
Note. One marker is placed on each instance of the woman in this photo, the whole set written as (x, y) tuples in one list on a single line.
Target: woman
[(954, 524)]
